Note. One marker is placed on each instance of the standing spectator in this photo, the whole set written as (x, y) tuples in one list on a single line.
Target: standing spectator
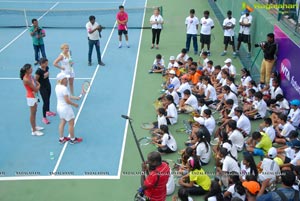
[(228, 26), (37, 33), (192, 23), (156, 22), (65, 110), (32, 87), (244, 34), (65, 63), (269, 48), (93, 30), (42, 76), (122, 19), (207, 24), (154, 185)]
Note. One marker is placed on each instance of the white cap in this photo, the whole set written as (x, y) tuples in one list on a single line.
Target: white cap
[(200, 120), (272, 153), (228, 60), (172, 58), (172, 72), (61, 76)]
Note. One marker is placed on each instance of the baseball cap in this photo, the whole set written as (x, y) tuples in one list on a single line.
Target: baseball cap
[(61, 76), (200, 120), (172, 58), (295, 102), (172, 72), (171, 86), (294, 144), (252, 186), (228, 60), (272, 153)]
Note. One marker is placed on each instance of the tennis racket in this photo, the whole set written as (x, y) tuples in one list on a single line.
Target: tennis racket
[(85, 88), (157, 104), (144, 141), (147, 126), (188, 109), (172, 164), (35, 84), (214, 142)]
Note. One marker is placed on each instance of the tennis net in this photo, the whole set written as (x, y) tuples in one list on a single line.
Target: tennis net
[(71, 18)]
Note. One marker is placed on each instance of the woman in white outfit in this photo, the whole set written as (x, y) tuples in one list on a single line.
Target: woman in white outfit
[(65, 63), (64, 109)]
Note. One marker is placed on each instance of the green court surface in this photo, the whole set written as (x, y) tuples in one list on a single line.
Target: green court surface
[(146, 90)]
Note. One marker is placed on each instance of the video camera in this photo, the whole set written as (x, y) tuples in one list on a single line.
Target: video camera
[(260, 44)]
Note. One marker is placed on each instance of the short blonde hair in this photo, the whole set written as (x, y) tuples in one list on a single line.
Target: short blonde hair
[(63, 46)]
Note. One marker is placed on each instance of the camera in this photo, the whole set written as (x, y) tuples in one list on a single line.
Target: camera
[(260, 44), (38, 30)]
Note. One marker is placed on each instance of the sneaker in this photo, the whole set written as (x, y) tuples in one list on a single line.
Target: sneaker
[(49, 113), (64, 140), (128, 46), (150, 71), (76, 140), (37, 133), (36, 63), (234, 55), (208, 53), (89, 63), (45, 121), (223, 53), (120, 46), (39, 128), (101, 63)]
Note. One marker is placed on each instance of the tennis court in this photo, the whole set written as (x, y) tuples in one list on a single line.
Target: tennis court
[(98, 118)]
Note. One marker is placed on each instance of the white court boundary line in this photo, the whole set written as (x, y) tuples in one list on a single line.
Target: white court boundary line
[(69, 2), (51, 78), (131, 95), (82, 104), (18, 36)]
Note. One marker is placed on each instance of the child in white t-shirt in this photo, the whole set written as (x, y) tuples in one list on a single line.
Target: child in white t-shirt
[(158, 65)]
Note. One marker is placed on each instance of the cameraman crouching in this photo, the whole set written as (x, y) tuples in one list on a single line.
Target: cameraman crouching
[(154, 185), (269, 48)]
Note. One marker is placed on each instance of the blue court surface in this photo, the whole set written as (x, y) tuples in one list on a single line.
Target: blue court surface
[(98, 118)]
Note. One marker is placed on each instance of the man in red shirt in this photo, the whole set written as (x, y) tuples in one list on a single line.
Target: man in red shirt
[(154, 185), (122, 19)]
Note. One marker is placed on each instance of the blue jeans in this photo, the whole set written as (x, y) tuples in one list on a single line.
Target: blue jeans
[(37, 49), (95, 43), (188, 42)]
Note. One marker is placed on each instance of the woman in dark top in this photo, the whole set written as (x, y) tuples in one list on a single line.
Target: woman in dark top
[(42, 76)]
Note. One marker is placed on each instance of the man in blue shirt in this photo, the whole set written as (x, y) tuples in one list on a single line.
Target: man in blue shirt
[(286, 192)]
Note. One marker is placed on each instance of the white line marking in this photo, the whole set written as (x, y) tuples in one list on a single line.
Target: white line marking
[(131, 95), (84, 99), (18, 36), (69, 2), (56, 177), (52, 78)]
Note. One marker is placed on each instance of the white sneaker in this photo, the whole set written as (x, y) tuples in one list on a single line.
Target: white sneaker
[(37, 133), (39, 128)]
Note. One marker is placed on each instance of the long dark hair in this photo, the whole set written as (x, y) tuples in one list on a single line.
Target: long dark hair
[(215, 190), (194, 163), (234, 176), (165, 129), (249, 158), (23, 70), (170, 98), (201, 138)]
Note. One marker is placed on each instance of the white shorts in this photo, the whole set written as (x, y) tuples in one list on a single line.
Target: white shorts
[(66, 113), (70, 73), (31, 101)]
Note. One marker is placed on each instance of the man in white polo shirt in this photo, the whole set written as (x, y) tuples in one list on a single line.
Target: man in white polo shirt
[(93, 31), (192, 23), (207, 24), (228, 26)]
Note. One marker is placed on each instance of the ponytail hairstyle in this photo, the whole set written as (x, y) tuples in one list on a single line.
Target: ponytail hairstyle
[(170, 98), (235, 178), (201, 138), (249, 158), (23, 70), (165, 129), (162, 111), (194, 163)]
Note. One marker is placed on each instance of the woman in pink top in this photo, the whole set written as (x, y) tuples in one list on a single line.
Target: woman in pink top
[(32, 87)]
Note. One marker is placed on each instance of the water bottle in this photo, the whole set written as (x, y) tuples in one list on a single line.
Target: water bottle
[(51, 155)]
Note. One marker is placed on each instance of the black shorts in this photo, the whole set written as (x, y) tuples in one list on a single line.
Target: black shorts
[(205, 39), (228, 40), (120, 32), (244, 38)]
